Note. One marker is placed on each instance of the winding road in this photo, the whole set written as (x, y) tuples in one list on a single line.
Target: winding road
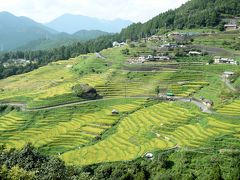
[(199, 104), (23, 107)]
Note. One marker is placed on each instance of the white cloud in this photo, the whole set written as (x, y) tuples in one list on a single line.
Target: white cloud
[(46, 10)]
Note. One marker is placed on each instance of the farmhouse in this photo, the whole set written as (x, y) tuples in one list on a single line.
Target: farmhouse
[(228, 74), (16, 62), (174, 34), (220, 60), (139, 60), (117, 44), (142, 59), (166, 58), (169, 45), (194, 53), (157, 58), (230, 27), (155, 38)]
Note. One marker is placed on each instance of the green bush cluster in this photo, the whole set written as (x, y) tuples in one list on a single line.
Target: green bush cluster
[(28, 163)]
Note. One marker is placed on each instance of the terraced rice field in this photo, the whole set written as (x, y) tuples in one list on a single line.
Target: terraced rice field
[(10, 122), (96, 79), (160, 126), (61, 130), (187, 89), (123, 84), (232, 109), (52, 80), (127, 89), (137, 84)]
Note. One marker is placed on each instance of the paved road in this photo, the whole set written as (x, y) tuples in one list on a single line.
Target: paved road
[(23, 107), (199, 104)]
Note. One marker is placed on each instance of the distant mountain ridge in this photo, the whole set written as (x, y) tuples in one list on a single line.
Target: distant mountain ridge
[(62, 39), (14, 31), (72, 23), (22, 33), (11, 21)]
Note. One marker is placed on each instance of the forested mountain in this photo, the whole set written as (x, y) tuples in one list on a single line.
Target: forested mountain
[(15, 31), (72, 23), (193, 14), (62, 39), (22, 33)]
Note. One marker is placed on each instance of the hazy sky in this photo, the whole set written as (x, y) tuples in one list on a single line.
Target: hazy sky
[(47, 10)]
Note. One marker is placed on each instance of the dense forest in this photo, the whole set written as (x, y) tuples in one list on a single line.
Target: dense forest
[(193, 14), (28, 163)]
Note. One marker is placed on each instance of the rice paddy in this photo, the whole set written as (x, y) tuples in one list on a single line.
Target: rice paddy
[(161, 126), (57, 131), (232, 109)]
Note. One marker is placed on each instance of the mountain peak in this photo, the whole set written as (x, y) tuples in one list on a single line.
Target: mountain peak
[(71, 23), (16, 31), (6, 13)]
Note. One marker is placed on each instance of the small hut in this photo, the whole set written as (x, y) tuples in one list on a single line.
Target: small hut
[(115, 112), (228, 74), (149, 155)]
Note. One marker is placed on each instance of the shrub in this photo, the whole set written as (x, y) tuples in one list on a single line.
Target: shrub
[(85, 91), (126, 51)]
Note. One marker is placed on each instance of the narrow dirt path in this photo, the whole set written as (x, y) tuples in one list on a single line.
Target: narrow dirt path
[(98, 55)]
